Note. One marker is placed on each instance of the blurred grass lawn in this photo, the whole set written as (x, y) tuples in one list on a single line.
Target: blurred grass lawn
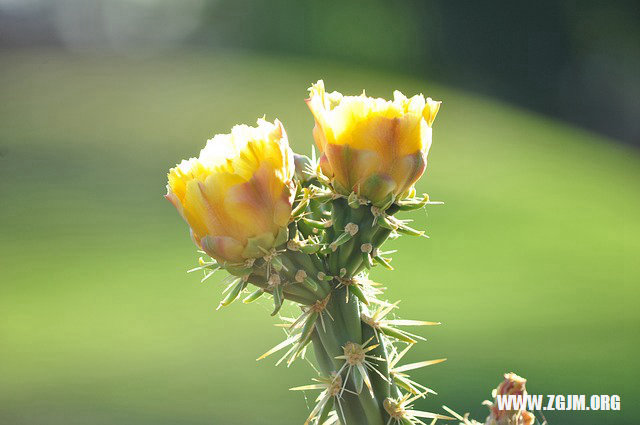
[(532, 265)]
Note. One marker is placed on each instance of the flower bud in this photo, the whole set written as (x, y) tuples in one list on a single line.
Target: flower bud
[(304, 167), (512, 385), (373, 147), (237, 195)]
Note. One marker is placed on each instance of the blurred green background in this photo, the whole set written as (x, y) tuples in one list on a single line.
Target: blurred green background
[(532, 265)]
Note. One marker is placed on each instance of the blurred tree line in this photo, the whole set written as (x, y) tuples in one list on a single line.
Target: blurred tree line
[(574, 60)]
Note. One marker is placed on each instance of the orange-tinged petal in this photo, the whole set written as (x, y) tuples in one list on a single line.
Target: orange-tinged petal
[(407, 170), (223, 247)]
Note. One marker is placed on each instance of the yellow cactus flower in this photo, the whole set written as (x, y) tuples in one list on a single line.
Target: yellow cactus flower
[(374, 147), (237, 195)]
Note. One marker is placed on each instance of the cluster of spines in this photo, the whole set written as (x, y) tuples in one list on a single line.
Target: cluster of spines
[(333, 241)]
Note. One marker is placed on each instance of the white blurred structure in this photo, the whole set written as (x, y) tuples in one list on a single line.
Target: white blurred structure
[(125, 26)]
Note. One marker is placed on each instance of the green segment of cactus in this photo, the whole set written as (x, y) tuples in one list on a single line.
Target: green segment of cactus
[(333, 242)]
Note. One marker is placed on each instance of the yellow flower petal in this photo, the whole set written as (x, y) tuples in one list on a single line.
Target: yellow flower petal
[(239, 189), (361, 137)]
